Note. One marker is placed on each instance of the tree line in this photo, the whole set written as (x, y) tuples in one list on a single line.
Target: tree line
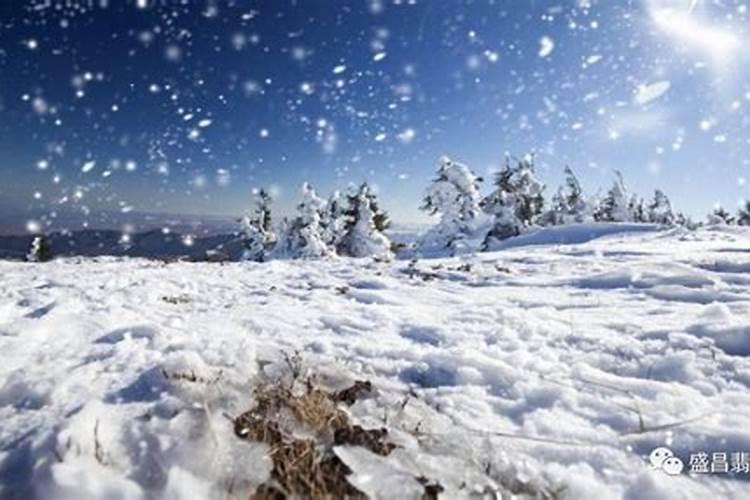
[(517, 203), (353, 223)]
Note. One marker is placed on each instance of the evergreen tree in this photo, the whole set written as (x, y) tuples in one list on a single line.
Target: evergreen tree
[(40, 250), (381, 219), (577, 206), (555, 215), (501, 205), (333, 219), (516, 202), (529, 190), (568, 205), (506, 225), (743, 215), (454, 196), (362, 237), (720, 217), (264, 210), (304, 235), (638, 210), (660, 210), (257, 230), (683, 220), (616, 206)]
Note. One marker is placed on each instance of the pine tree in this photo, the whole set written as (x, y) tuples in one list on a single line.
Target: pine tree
[(577, 207), (257, 230), (616, 206), (506, 225), (333, 219), (501, 205), (454, 196), (362, 237), (555, 215), (683, 220), (743, 215), (660, 210), (381, 219), (40, 250), (264, 211), (253, 242), (568, 205), (720, 217), (516, 202), (638, 210), (529, 191), (304, 235)]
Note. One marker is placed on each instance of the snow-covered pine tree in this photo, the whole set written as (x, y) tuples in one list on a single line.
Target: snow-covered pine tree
[(569, 206), (381, 219), (501, 205), (660, 210), (555, 215), (616, 206), (257, 230), (516, 202), (683, 220), (40, 250), (454, 196), (304, 236), (506, 225), (529, 191), (333, 219), (638, 209), (743, 214), (362, 237), (264, 211), (253, 241), (720, 217)]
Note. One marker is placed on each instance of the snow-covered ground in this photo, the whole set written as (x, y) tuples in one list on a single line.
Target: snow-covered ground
[(544, 366)]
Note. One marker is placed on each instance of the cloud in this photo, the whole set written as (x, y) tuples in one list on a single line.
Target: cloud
[(638, 122)]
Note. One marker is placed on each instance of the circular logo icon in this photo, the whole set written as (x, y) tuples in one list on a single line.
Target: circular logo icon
[(672, 466), (658, 456)]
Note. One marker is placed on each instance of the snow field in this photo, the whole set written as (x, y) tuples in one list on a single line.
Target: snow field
[(544, 367)]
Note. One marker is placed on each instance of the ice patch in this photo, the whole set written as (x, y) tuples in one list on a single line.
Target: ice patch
[(378, 477)]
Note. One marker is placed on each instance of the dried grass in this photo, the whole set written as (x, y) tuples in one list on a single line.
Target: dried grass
[(308, 468)]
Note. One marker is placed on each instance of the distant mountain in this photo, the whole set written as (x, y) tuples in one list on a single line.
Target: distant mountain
[(14, 222), (196, 243), (153, 244)]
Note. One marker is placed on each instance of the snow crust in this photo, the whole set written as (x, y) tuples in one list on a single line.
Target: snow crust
[(533, 364)]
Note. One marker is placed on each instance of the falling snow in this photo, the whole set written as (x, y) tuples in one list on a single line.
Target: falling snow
[(650, 92)]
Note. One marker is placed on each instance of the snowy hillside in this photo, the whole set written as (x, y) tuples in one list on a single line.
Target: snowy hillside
[(543, 369)]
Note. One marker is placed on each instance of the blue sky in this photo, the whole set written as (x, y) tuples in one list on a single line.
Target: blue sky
[(155, 106)]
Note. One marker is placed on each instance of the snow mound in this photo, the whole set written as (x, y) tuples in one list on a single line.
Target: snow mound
[(573, 234)]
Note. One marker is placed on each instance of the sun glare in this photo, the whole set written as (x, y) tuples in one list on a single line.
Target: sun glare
[(682, 21)]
